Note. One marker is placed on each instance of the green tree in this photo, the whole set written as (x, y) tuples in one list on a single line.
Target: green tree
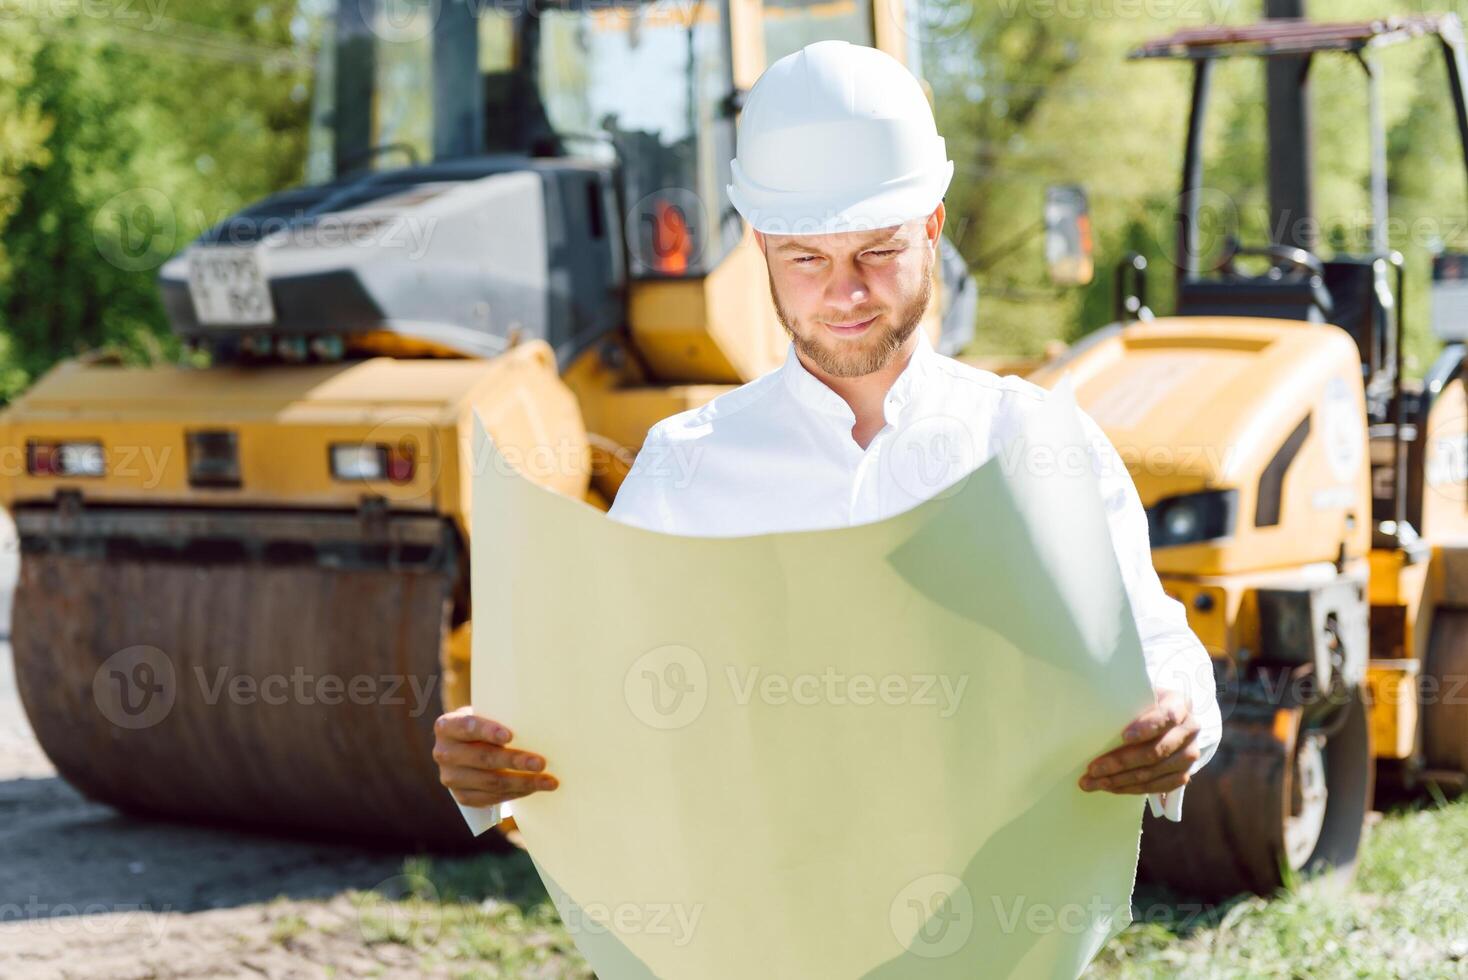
[(1031, 93), (151, 134)]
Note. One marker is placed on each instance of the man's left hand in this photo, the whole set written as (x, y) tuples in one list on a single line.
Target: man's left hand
[(1161, 745)]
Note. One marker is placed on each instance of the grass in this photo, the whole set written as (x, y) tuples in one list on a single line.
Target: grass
[(1407, 916), (482, 918), (288, 927)]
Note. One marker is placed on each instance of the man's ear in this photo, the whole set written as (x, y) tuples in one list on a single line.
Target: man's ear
[(934, 226), (759, 239)]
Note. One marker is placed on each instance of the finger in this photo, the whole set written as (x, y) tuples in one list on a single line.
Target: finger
[(1145, 754), (1178, 762), (465, 726), (485, 755), (1162, 784), (1171, 709), (1165, 756), (501, 783), (472, 797)]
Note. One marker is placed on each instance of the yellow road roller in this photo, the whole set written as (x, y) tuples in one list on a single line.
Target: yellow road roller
[(244, 587), (1307, 504)]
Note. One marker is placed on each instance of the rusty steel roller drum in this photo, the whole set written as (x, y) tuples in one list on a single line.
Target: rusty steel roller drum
[(293, 697)]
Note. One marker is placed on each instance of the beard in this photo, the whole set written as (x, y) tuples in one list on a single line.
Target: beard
[(869, 353)]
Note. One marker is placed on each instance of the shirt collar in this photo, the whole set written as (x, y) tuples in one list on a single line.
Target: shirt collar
[(814, 394)]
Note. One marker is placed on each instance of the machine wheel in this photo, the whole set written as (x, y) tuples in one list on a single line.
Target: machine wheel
[(127, 670), (1281, 800), (1445, 713)]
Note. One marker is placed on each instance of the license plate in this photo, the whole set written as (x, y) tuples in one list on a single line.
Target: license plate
[(229, 287)]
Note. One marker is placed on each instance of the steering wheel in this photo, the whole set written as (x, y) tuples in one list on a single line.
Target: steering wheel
[(1286, 259)]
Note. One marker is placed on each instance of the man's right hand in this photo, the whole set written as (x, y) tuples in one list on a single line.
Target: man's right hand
[(477, 765)]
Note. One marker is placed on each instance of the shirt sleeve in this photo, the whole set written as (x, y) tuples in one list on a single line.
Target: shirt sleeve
[(642, 500), (1176, 659)]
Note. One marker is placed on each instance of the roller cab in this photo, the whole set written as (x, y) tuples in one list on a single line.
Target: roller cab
[(1305, 500)]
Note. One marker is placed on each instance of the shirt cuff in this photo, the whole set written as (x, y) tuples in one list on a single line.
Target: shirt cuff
[(1168, 805), (1201, 699), (482, 818)]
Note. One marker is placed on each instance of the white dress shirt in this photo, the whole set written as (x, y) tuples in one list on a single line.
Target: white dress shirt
[(777, 454)]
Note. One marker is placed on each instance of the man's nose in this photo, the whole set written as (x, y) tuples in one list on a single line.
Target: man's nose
[(847, 288)]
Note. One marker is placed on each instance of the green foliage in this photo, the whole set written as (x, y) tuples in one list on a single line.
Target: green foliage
[(65, 294), (1404, 917), (1034, 93), (23, 129), (128, 137), (120, 140), (1029, 95)]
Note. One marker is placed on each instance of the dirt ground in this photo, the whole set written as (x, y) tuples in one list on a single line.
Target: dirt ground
[(87, 892)]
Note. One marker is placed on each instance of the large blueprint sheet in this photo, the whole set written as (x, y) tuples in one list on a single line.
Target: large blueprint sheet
[(826, 754)]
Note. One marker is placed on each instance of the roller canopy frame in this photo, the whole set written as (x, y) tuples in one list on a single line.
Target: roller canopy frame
[(1280, 38)]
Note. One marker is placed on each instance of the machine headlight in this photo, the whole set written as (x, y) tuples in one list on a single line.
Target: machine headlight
[(65, 459), (372, 461), (1192, 517)]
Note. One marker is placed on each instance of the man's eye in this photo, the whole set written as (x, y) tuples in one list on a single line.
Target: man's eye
[(887, 251), (805, 258)]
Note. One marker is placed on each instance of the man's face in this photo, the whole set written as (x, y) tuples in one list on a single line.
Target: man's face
[(850, 300)]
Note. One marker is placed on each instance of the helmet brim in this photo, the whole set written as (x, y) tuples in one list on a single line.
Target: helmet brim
[(770, 212)]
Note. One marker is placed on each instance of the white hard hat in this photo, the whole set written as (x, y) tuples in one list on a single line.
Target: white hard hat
[(837, 137)]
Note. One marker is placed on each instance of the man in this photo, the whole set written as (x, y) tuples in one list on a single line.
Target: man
[(864, 419)]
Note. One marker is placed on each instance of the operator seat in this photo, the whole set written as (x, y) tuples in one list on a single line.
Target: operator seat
[(1281, 299)]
